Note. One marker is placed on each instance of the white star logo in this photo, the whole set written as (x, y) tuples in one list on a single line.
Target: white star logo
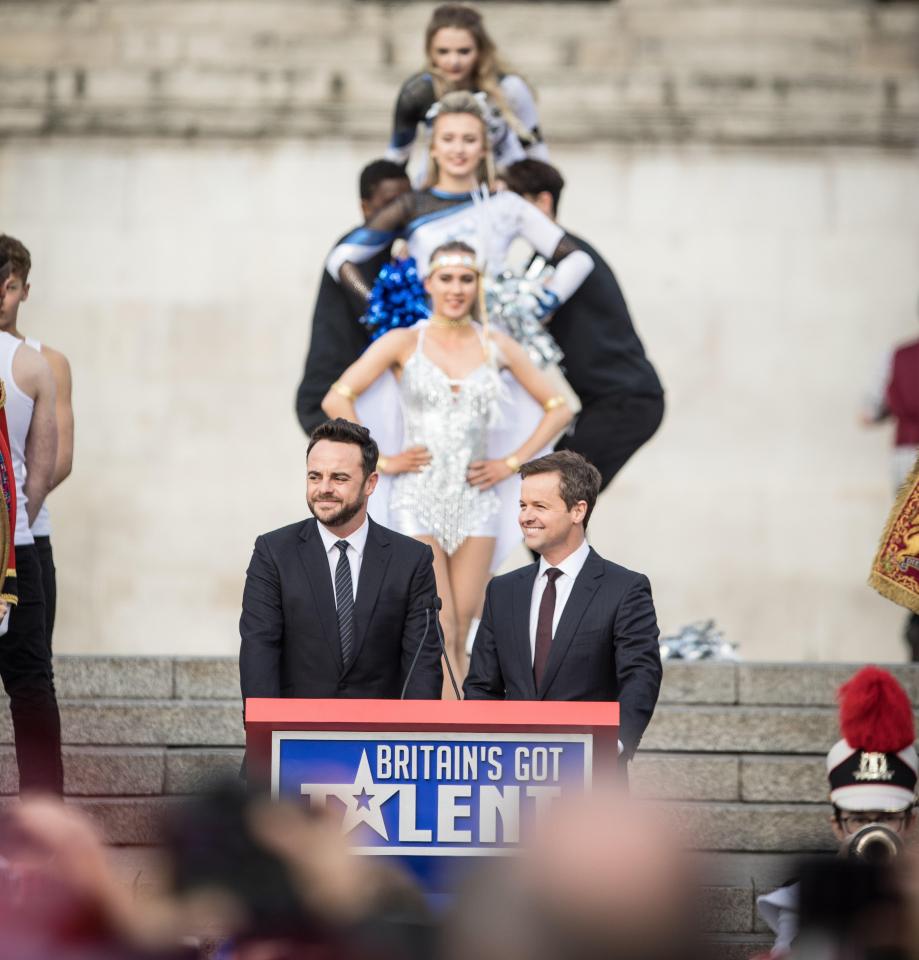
[(363, 799)]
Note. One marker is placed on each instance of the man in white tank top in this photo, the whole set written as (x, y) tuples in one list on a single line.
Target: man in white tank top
[(25, 653), (60, 369)]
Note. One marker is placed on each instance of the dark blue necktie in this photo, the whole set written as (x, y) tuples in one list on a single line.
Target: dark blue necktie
[(344, 603)]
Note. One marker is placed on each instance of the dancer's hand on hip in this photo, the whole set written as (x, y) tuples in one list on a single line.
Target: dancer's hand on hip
[(486, 473)]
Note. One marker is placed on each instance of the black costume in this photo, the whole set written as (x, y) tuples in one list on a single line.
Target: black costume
[(621, 395), (337, 339)]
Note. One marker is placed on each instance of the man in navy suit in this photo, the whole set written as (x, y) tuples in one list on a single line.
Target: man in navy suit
[(335, 606), (572, 626)]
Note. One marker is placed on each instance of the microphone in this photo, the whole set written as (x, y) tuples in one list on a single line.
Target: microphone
[(437, 603), (424, 636)]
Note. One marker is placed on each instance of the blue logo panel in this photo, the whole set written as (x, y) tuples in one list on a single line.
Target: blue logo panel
[(431, 794)]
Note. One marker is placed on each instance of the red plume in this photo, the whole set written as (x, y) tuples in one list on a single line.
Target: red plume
[(875, 713)]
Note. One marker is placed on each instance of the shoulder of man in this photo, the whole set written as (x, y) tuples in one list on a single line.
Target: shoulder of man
[(406, 545), (289, 533), (506, 580), (615, 570)]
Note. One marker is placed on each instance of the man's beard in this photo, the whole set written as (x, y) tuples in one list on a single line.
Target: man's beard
[(346, 512)]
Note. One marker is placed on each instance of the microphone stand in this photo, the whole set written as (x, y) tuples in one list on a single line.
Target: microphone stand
[(424, 636), (437, 604)]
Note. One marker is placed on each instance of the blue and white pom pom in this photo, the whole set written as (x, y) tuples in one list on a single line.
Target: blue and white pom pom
[(518, 305), (398, 298)]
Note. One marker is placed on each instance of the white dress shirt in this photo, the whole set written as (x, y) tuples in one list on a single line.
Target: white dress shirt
[(570, 567), (355, 552)]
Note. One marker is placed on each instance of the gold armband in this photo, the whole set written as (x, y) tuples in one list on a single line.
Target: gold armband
[(382, 464), (343, 390), (513, 463), (553, 402)]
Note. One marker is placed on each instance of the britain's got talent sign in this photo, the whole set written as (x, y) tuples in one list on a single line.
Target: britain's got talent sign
[(429, 779)]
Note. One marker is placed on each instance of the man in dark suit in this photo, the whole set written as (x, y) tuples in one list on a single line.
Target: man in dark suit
[(337, 338), (335, 606), (572, 626)]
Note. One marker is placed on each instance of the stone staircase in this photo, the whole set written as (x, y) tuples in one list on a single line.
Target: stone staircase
[(736, 750), (706, 71)]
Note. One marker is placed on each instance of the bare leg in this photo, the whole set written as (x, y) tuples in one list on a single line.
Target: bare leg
[(469, 576), (447, 611)]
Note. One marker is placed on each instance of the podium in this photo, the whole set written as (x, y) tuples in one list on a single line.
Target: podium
[(434, 783)]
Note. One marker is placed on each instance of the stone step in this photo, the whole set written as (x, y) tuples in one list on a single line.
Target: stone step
[(217, 678), (725, 909), (722, 729), (151, 771), (218, 723), (132, 771), (739, 946), (735, 827)]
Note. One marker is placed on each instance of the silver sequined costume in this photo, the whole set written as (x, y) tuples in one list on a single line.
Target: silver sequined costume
[(450, 418)]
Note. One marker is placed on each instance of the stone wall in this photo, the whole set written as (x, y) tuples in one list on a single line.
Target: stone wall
[(726, 71), (180, 280)]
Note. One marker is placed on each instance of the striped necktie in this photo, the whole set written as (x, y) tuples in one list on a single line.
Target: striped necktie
[(344, 603)]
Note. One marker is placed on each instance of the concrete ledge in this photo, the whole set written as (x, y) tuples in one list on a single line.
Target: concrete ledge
[(753, 827), (738, 947), (207, 678), (727, 909), (188, 771), (809, 684), (135, 677), (783, 779), (99, 771), (742, 729), (685, 777), (152, 722), (699, 683)]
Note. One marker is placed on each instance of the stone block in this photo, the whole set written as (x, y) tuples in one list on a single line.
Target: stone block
[(783, 779), (809, 684), (753, 826), (741, 729), (78, 677), (727, 909), (188, 771), (121, 722), (698, 683), (128, 821), (143, 870), (738, 946), (98, 771), (685, 777), (207, 678)]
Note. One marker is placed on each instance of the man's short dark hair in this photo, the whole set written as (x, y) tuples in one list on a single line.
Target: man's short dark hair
[(18, 254), (579, 479), (376, 172), (340, 430), (532, 177)]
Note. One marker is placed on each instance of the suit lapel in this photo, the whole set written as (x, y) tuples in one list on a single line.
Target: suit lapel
[(377, 554), (582, 592), (522, 598), (316, 565)]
